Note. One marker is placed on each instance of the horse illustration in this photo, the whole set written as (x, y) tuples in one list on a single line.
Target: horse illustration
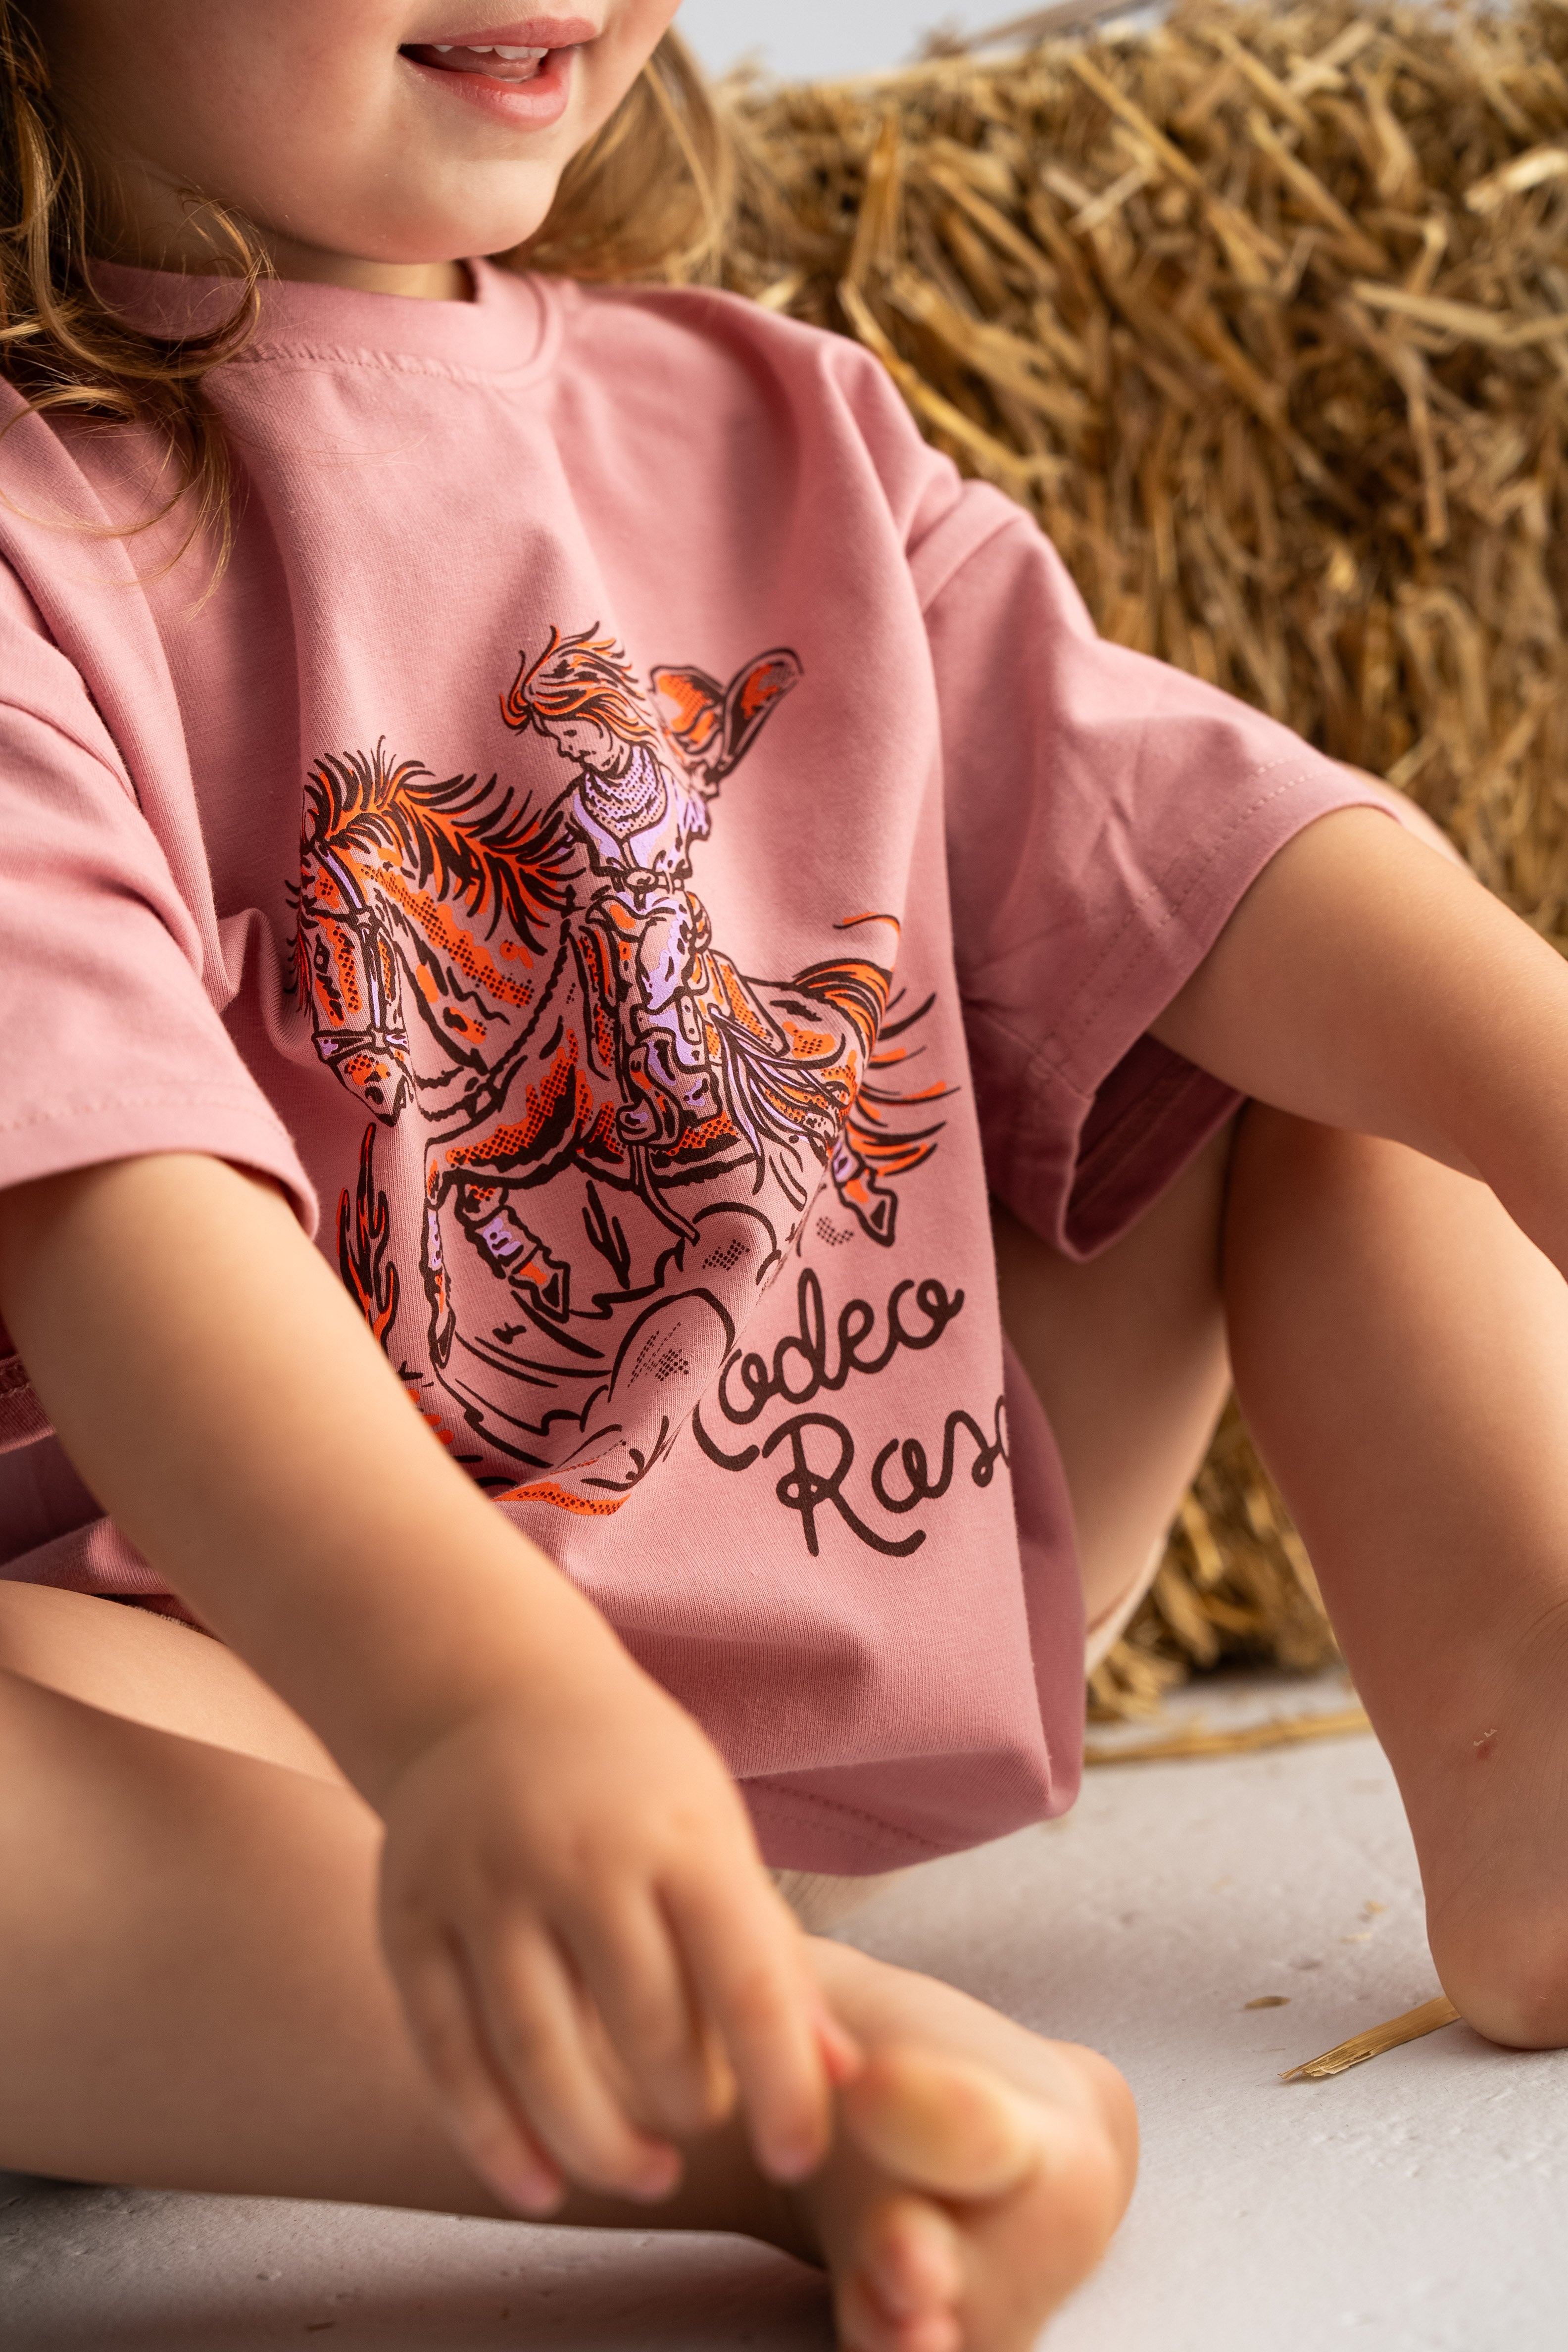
[(538, 987)]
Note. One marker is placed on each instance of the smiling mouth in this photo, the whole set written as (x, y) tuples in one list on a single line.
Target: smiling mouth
[(496, 61), (506, 54)]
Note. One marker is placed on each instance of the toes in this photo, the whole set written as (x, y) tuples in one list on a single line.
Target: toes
[(864, 2326), (910, 2256), (952, 2129), (902, 2296)]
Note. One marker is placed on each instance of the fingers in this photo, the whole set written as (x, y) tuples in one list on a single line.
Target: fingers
[(507, 2045), (536, 2030), (572, 2003), (673, 2039), (841, 2053), (748, 1962), (502, 2152), (651, 2020)]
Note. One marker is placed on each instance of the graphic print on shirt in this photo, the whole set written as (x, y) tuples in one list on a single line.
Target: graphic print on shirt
[(532, 982)]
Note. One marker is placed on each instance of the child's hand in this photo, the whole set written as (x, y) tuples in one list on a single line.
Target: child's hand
[(587, 1946), (588, 1950)]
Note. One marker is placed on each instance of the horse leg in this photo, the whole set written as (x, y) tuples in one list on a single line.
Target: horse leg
[(437, 1289), (873, 1203), (513, 1250)]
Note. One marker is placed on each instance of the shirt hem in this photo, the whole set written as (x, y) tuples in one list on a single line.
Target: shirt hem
[(798, 1829)]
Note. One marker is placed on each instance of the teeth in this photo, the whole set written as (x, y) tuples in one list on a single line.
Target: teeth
[(488, 49)]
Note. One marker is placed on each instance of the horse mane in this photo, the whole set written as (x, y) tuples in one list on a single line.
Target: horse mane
[(463, 839)]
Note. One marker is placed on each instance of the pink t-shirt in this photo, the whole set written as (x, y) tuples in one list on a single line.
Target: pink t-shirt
[(644, 847)]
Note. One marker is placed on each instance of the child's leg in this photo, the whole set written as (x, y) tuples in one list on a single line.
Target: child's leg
[(193, 1996), (1128, 1356), (154, 1670), (1402, 1354), (1401, 1350)]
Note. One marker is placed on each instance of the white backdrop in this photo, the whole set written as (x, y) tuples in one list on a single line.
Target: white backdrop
[(795, 39), (804, 40)]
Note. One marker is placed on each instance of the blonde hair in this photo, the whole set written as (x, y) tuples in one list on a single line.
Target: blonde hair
[(651, 194), (648, 196)]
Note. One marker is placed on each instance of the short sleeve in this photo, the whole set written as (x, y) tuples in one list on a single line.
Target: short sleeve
[(111, 1046), (1104, 815)]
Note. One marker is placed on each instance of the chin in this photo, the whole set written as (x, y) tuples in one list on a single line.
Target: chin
[(461, 239)]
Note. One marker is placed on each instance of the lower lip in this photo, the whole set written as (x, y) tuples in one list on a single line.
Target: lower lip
[(532, 105)]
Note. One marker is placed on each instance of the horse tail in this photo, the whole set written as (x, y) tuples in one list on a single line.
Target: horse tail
[(853, 987), (889, 1151), (784, 1096)]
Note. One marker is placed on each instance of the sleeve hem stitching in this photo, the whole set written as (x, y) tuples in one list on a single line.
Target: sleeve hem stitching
[(231, 1100), (68, 735), (960, 562)]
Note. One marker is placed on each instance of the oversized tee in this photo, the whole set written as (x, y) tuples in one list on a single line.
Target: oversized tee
[(638, 849)]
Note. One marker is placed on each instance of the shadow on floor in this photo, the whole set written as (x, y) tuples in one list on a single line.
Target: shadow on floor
[(88, 2269)]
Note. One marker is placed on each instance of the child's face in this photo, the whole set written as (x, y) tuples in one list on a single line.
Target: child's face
[(364, 153)]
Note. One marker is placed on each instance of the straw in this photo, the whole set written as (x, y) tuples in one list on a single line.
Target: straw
[(1264, 314), (1282, 1731), (1427, 2019)]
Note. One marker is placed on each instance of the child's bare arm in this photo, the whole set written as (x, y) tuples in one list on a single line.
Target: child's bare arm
[(1368, 984), (554, 1819)]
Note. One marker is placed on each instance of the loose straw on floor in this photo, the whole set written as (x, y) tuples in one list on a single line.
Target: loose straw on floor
[(1427, 2019), (1195, 1740)]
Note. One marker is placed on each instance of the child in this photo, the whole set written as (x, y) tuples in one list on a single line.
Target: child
[(569, 783)]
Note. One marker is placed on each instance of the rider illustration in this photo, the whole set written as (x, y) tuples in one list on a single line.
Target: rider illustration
[(612, 1130), (639, 801)]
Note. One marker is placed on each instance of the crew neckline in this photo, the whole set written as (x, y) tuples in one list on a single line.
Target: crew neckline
[(509, 328)]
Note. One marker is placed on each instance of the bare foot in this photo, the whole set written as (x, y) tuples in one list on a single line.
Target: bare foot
[(977, 2174), (1487, 1793)]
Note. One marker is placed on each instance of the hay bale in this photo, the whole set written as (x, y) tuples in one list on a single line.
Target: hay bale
[(1265, 315)]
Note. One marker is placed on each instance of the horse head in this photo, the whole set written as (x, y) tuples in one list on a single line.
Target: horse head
[(442, 883), (346, 974)]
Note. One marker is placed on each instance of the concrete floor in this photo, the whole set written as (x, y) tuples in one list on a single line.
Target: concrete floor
[(1416, 2204)]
